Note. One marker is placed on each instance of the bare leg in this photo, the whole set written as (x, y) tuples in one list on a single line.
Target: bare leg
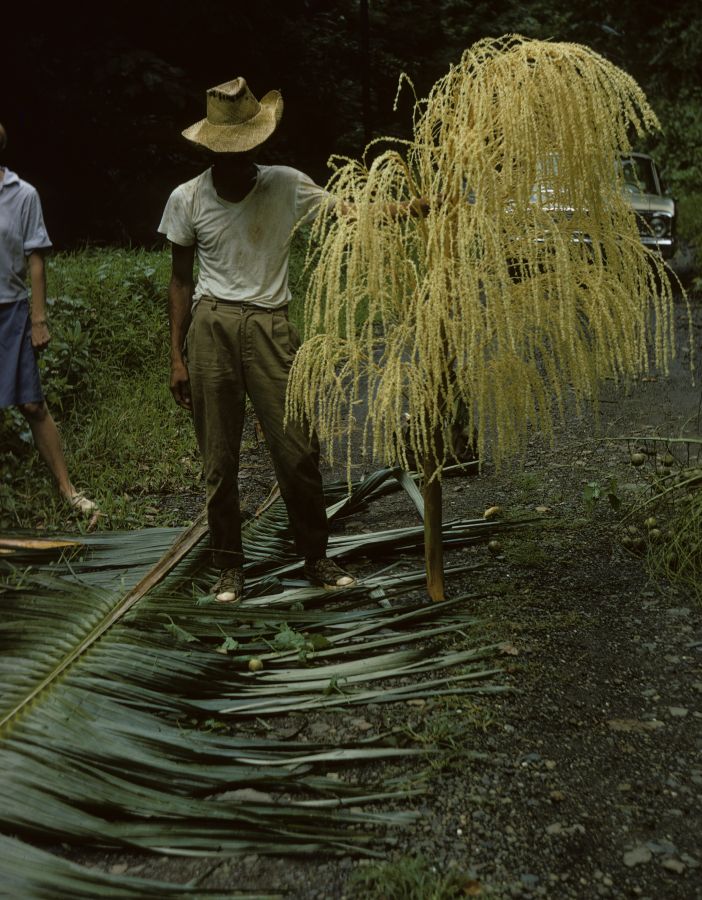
[(48, 443)]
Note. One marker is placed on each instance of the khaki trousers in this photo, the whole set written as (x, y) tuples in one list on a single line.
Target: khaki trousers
[(234, 349)]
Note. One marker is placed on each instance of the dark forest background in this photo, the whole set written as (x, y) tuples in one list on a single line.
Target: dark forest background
[(94, 96)]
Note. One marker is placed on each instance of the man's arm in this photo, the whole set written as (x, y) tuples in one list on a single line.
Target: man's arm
[(180, 293), (37, 281), (418, 208)]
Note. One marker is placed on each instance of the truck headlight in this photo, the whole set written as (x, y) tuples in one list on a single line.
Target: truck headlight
[(660, 226)]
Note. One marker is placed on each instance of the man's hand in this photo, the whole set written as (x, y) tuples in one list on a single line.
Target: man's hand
[(180, 294), (40, 335), (419, 208), (180, 385)]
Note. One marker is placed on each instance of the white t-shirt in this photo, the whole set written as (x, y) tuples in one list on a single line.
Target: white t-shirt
[(242, 248)]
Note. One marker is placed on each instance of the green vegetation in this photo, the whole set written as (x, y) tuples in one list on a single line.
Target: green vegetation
[(675, 150), (412, 878), (666, 525), (105, 376), (677, 554), (445, 732), (593, 491)]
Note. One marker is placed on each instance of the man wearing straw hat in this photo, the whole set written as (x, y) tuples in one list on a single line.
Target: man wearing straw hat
[(230, 334)]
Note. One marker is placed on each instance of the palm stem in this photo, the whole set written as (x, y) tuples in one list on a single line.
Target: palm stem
[(433, 543)]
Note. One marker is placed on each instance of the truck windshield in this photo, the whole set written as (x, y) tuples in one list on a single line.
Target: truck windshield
[(638, 175)]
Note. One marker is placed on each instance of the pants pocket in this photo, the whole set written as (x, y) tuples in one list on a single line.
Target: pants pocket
[(285, 335)]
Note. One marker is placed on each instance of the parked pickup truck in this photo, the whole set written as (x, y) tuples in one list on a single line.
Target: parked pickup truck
[(654, 209)]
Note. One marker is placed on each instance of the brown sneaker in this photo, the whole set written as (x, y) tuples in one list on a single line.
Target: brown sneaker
[(327, 574), (229, 587)]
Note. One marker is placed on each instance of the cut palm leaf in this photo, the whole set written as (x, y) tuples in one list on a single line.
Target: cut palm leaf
[(112, 671)]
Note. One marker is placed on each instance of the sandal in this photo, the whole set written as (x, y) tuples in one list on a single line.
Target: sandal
[(82, 504)]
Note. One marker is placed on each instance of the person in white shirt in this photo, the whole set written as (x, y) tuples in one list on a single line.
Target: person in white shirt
[(23, 327), (230, 333)]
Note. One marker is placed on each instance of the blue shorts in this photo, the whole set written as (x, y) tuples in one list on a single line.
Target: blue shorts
[(19, 373)]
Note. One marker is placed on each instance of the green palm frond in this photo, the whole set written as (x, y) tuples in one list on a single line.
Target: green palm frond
[(61, 878), (127, 704)]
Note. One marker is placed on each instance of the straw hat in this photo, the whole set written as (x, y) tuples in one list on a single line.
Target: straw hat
[(236, 121)]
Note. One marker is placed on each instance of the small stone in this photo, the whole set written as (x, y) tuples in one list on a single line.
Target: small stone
[(674, 865), (318, 729), (637, 856), (678, 711), (557, 796), (555, 828), (634, 725), (661, 847), (361, 724), (121, 868), (417, 702), (550, 764)]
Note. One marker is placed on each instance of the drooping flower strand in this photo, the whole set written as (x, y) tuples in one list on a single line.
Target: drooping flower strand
[(526, 283)]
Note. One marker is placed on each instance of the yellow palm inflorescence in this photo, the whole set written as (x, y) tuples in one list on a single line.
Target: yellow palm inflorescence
[(525, 281)]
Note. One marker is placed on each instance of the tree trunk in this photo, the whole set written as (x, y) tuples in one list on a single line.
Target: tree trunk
[(433, 541)]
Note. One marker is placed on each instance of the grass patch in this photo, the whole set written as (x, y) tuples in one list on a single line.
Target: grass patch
[(105, 376), (411, 878), (444, 730), (674, 553), (528, 485)]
